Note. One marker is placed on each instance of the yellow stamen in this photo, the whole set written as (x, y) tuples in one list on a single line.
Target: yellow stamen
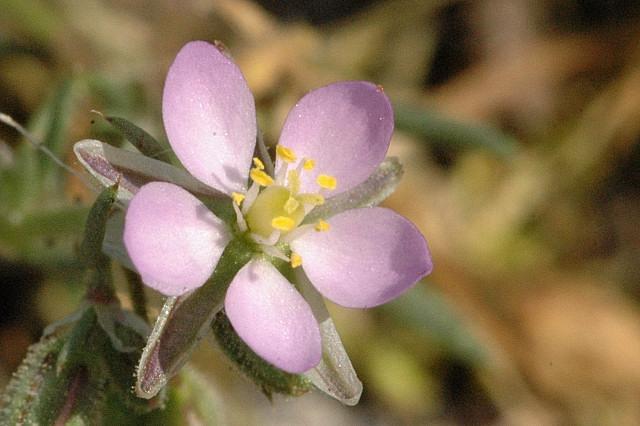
[(293, 180), (291, 205), (296, 260), (260, 177), (313, 199), (283, 223), (308, 164), (258, 163), (327, 181), (285, 154), (322, 226), (238, 198)]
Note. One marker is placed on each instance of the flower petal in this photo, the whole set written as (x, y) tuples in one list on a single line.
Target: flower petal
[(173, 240), (368, 257), (345, 127), (209, 116), (272, 318)]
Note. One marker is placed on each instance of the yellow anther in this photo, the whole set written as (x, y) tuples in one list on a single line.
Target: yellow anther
[(286, 154), (258, 163), (296, 260), (313, 199), (322, 226), (260, 177), (308, 164), (238, 198), (291, 205), (327, 181), (283, 223), (293, 181)]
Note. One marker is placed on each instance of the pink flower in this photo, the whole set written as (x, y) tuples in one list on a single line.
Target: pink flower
[(333, 140)]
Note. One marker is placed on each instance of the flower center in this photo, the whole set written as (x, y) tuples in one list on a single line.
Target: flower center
[(273, 208)]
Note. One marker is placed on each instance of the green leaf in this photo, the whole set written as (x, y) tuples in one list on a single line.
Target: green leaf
[(183, 322), (424, 310), (91, 247), (33, 396), (57, 115), (36, 177), (446, 131), (269, 378), (369, 193)]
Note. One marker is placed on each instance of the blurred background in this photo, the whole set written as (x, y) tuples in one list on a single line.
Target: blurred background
[(517, 121)]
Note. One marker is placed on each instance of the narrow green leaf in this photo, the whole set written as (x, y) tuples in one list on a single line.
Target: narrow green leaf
[(369, 193), (183, 322), (91, 247), (33, 396), (57, 115), (269, 378), (424, 310), (439, 129)]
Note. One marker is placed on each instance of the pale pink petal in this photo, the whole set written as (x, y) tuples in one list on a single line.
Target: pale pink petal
[(345, 127), (269, 314), (367, 257), (173, 240), (209, 116)]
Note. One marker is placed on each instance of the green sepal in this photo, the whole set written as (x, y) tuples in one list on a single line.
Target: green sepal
[(109, 165), (140, 138), (184, 320), (334, 374), (269, 378), (369, 193)]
